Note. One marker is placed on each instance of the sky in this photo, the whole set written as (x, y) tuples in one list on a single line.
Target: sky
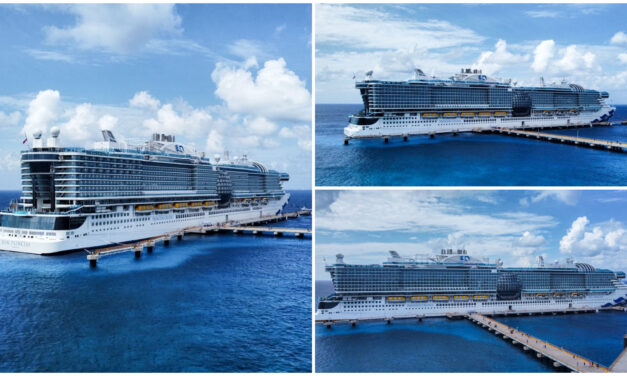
[(516, 226), (582, 43), (213, 75)]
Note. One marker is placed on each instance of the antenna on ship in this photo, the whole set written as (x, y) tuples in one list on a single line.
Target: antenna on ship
[(369, 75), (540, 261), (418, 73), (542, 81)]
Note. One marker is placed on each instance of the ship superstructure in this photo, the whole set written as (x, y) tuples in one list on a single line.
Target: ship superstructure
[(78, 198), (453, 282), (467, 101)]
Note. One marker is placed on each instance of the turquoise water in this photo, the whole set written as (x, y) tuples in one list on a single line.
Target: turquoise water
[(441, 345), (465, 159), (219, 303)]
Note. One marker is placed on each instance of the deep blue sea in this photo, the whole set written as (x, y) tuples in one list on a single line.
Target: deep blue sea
[(463, 160), (441, 345), (217, 303)]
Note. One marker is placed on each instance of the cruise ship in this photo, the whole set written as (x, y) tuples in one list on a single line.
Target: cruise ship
[(467, 101), (454, 282), (78, 198)]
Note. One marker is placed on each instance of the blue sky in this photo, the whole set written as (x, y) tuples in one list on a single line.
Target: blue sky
[(214, 75), (582, 43), (516, 226)]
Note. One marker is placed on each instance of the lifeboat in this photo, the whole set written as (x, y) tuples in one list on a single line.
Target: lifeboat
[(460, 297), (164, 206), (480, 297), (440, 297), (467, 114), (430, 115), (144, 208), (420, 298), (180, 205), (484, 114), (542, 295), (195, 204), (450, 114), (500, 113), (396, 299)]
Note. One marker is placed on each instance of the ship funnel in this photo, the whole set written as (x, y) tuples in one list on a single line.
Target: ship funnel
[(339, 258)]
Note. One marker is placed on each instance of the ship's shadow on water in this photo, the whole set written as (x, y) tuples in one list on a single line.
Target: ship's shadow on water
[(465, 159), (216, 303), (442, 345)]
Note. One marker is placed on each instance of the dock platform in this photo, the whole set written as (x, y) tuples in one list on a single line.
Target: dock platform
[(615, 146), (235, 226), (559, 356)]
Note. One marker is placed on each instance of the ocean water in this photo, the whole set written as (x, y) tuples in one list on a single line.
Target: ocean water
[(463, 160), (217, 303), (441, 345)]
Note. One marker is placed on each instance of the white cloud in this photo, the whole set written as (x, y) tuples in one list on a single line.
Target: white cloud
[(116, 28), (215, 143), (568, 197), (10, 119), (604, 245), (245, 48), (530, 240), (108, 122), (543, 53), (493, 61), (619, 38), (10, 161), (261, 126), (279, 29), (302, 133), (574, 233), (276, 93), (49, 55), (362, 28), (543, 14), (420, 212), (622, 57), (172, 121), (143, 99), (42, 111), (573, 60)]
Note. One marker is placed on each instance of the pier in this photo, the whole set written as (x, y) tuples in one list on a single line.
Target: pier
[(615, 146), (249, 225), (543, 349), (620, 364)]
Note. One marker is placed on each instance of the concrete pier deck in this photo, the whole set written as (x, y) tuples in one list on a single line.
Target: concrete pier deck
[(138, 247), (559, 356), (558, 138)]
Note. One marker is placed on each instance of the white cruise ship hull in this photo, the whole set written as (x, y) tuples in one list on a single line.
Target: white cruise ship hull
[(96, 233), (391, 126), (379, 309)]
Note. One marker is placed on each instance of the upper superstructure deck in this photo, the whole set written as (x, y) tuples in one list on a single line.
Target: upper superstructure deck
[(471, 90), (69, 179)]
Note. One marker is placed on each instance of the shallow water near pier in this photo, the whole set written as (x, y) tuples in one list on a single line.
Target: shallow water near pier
[(215, 303)]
